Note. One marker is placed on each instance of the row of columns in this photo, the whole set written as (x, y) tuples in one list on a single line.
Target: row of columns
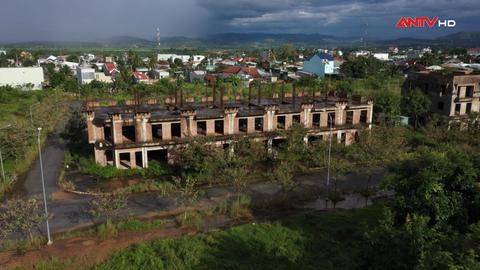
[(188, 124)]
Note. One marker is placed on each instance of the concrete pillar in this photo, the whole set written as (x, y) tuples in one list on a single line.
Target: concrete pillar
[(349, 138), (188, 125), (166, 131), (117, 124), (324, 119), (288, 121), (269, 119), (229, 127), (306, 115), (116, 156), (141, 120), (356, 117), (90, 115), (339, 113), (210, 127), (100, 157), (144, 158), (250, 125), (370, 113), (133, 160)]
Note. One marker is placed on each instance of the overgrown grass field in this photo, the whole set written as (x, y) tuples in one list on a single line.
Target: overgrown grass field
[(308, 241)]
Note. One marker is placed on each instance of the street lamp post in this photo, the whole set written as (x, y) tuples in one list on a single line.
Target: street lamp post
[(43, 186), (329, 156), (1, 157)]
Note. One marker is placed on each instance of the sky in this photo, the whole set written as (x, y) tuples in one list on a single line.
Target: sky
[(90, 20)]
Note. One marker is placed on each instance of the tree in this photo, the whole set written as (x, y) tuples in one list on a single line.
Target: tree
[(361, 67), (108, 205), (187, 192), (416, 105), (20, 216), (387, 104)]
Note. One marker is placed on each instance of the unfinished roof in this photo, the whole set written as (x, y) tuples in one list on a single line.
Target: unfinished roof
[(207, 110)]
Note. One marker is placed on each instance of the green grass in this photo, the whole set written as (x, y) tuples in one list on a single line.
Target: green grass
[(310, 241)]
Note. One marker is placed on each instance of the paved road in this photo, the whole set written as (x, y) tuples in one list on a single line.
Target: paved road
[(53, 154)]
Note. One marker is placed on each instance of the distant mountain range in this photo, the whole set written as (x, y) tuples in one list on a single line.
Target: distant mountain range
[(262, 40)]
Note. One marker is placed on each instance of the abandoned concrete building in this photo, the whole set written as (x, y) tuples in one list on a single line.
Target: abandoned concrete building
[(131, 135), (455, 94)]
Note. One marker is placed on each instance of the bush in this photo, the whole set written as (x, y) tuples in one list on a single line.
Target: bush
[(107, 230)]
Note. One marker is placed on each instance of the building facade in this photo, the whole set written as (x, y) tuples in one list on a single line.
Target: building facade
[(320, 64), (29, 78), (130, 136), (455, 94)]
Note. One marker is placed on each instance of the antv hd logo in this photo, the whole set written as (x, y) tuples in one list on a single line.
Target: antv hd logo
[(423, 22)]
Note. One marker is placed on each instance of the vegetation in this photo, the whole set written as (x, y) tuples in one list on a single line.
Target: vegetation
[(24, 111), (20, 216), (305, 242)]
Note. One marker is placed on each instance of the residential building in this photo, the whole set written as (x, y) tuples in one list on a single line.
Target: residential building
[(101, 77), (196, 75), (161, 74), (85, 75), (381, 56), (140, 77), (133, 135), (473, 51), (29, 78), (320, 64), (4, 52), (172, 56), (110, 69), (454, 94)]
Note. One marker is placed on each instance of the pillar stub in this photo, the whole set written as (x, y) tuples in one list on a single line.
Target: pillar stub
[(231, 110), (307, 105), (341, 104), (271, 107), (188, 112)]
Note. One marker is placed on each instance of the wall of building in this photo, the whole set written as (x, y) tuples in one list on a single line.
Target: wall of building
[(22, 76)]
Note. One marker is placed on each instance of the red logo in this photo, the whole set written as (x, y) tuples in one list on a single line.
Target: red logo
[(422, 22)]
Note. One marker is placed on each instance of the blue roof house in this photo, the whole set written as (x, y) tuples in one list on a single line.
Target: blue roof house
[(320, 64)]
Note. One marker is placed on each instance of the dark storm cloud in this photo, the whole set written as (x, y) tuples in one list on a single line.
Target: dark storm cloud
[(86, 20), (373, 18), (95, 19)]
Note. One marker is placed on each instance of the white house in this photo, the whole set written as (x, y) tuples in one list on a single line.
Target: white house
[(381, 56), (161, 74), (85, 75), (3, 52), (172, 56), (24, 77)]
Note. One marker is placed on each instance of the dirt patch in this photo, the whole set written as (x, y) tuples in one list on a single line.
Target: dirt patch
[(84, 252)]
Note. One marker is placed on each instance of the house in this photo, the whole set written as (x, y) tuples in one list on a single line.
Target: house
[(85, 75), (140, 77), (197, 59), (3, 52), (162, 64), (101, 77), (29, 78), (196, 75), (320, 64), (161, 74), (473, 51), (172, 57), (247, 74), (381, 56), (110, 69)]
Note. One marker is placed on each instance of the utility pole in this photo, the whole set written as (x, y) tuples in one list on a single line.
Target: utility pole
[(43, 187)]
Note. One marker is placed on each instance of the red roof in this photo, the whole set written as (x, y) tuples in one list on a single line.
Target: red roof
[(140, 76), (253, 72), (111, 68)]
